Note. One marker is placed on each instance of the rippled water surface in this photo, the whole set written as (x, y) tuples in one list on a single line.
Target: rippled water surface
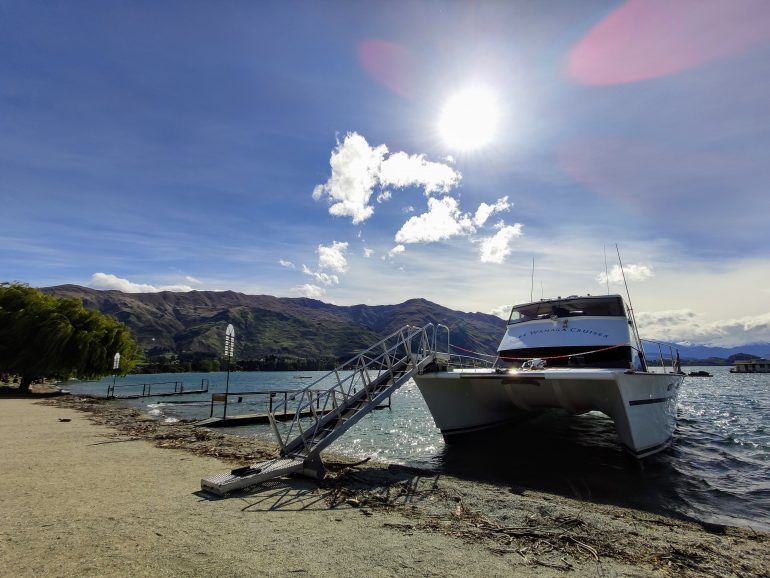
[(717, 470)]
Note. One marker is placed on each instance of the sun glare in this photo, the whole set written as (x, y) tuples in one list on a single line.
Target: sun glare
[(469, 119)]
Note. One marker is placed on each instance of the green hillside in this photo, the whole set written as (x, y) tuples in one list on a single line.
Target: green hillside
[(193, 323)]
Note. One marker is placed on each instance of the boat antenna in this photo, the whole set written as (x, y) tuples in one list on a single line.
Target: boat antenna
[(532, 283), (606, 272), (631, 311)]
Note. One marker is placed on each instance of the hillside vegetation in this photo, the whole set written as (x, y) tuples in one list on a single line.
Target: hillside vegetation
[(193, 323)]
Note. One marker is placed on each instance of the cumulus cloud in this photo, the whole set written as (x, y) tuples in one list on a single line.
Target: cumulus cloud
[(634, 272), (503, 311), (397, 250), (485, 211), (384, 196), (368, 252), (442, 221), (308, 290), (357, 168), (495, 249), (687, 326), (332, 257), (409, 209), (108, 281), (285, 263), (402, 170), (321, 277)]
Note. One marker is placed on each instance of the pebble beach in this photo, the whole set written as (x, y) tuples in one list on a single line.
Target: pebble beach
[(103, 490)]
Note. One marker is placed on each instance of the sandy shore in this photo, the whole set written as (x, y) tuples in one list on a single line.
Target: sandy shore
[(96, 496)]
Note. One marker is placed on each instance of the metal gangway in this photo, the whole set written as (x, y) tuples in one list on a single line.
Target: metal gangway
[(331, 405)]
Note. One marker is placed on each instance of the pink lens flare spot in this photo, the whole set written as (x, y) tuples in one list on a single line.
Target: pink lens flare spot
[(645, 39), (388, 63)]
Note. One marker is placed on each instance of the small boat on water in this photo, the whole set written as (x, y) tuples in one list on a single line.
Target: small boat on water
[(699, 374), (576, 354)]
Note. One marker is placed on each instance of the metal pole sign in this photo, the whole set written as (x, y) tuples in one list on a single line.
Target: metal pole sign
[(229, 351), (115, 369), (229, 341)]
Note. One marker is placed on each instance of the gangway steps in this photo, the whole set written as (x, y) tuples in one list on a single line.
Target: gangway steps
[(228, 482), (393, 366)]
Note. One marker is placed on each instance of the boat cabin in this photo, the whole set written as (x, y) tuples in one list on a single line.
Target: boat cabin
[(590, 331)]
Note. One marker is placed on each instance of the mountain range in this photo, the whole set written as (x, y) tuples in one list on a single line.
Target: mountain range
[(195, 322)]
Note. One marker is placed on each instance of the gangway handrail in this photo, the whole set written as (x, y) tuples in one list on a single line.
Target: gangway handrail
[(380, 357), (350, 361)]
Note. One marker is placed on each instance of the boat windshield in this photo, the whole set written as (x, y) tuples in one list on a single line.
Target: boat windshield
[(592, 306)]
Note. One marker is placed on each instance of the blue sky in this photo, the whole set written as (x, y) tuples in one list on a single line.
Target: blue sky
[(178, 144)]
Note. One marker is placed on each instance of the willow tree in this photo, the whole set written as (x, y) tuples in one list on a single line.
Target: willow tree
[(45, 336)]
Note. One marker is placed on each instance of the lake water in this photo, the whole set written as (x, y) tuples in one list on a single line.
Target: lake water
[(717, 469)]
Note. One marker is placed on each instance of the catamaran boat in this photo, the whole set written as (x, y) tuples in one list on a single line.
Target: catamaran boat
[(576, 354)]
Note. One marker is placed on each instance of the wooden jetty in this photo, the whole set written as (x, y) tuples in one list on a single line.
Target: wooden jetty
[(254, 418), (179, 389), (251, 418)]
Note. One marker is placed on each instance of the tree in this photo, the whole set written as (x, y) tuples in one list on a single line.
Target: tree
[(45, 336)]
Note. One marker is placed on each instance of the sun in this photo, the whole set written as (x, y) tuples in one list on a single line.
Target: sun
[(469, 119)]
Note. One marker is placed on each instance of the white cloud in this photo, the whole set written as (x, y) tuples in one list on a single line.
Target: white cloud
[(192, 280), (503, 311), (442, 221), (397, 250), (485, 211), (321, 277), (496, 248), (409, 209), (308, 290), (402, 170), (287, 264), (358, 168), (687, 326), (332, 257), (634, 272), (368, 252), (384, 196), (108, 281)]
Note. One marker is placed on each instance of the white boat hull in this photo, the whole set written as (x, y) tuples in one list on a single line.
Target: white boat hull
[(642, 405)]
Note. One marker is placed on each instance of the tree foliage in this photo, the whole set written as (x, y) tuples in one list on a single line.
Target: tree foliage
[(44, 336)]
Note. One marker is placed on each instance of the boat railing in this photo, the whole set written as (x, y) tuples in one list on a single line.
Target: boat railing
[(672, 357), (456, 361)]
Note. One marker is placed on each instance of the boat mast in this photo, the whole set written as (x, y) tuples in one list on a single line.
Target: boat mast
[(532, 283), (639, 345)]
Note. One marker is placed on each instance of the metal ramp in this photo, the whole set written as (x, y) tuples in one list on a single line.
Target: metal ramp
[(331, 405)]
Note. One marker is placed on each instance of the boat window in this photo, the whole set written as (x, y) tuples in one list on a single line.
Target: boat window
[(609, 307)]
